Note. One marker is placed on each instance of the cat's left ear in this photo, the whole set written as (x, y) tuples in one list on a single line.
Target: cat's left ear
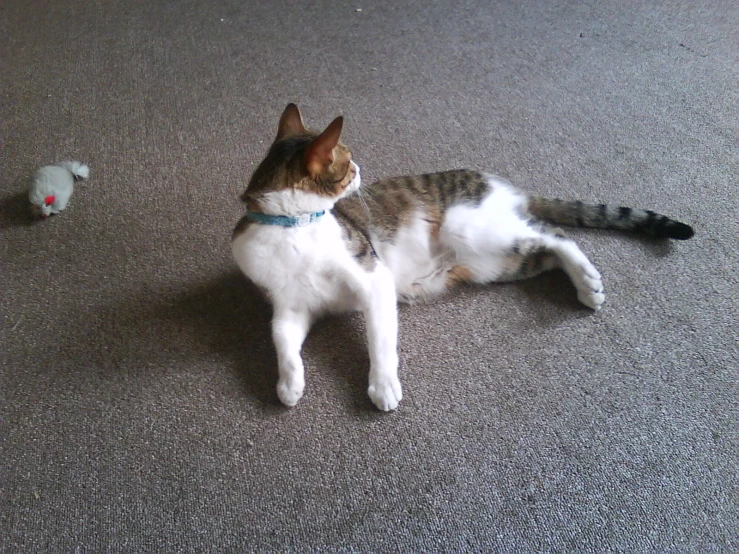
[(291, 123), (320, 152)]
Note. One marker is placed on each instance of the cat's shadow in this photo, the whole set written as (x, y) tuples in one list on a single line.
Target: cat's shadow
[(225, 321), (656, 247), (551, 289)]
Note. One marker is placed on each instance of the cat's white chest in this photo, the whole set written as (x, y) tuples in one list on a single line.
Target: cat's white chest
[(300, 266)]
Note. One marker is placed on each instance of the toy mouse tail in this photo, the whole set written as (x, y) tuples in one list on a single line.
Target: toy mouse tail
[(77, 169)]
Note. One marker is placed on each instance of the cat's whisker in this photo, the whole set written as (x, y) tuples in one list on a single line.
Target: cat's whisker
[(364, 203)]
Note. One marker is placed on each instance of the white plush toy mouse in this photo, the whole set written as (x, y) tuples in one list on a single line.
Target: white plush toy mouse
[(52, 186)]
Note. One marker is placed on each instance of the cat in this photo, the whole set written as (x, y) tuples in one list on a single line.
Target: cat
[(315, 243)]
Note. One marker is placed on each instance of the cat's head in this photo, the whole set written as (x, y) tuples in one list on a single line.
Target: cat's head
[(303, 171)]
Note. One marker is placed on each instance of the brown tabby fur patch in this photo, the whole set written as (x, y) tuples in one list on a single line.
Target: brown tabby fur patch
[(389, 204)]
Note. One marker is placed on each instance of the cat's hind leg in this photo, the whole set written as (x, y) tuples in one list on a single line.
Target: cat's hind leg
[(579, 268), (551, 249), (495, 242), (529, 256)]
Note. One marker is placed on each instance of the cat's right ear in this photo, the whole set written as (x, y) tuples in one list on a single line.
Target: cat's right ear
[(320, 152), (291, 123)]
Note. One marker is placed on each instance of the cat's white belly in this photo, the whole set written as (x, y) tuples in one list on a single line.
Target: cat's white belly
[(416, 260), (476, 238), (481, 237)]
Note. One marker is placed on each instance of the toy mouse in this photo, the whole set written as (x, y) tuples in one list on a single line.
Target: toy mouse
[(53, 185)]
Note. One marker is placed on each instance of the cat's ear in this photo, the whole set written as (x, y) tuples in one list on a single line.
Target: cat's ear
[(291, 123), (320, 152)]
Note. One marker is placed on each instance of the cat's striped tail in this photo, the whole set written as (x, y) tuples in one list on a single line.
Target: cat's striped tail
[(601, 216)]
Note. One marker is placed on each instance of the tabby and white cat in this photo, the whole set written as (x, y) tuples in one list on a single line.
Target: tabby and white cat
[(314, 244)]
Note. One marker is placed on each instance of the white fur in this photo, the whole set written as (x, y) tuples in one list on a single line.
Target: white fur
[(355, 183), (417, 265), (308, 271), (478, 238), (481, 236), (293, 202)]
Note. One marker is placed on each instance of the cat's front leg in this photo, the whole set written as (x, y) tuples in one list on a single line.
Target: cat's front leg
[(289, 329), (381, 315)]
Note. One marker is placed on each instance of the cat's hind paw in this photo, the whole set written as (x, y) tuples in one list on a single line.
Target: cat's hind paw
[(385, 393), (590, 289), (592, 298), (589, 286), (290, 392), (585, 277)]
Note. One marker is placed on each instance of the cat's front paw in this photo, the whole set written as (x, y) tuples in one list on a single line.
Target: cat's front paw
[(385, 393), (290, 391)]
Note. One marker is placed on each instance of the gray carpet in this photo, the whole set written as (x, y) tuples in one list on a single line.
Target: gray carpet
[(138, 403)]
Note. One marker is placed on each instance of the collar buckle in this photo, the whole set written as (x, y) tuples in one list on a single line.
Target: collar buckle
[(304, 220)]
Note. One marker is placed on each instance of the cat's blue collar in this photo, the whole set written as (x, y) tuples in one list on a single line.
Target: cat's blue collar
[(284, 220)]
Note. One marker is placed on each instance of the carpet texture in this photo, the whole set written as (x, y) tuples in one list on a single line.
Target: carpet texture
[(138, 374)]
